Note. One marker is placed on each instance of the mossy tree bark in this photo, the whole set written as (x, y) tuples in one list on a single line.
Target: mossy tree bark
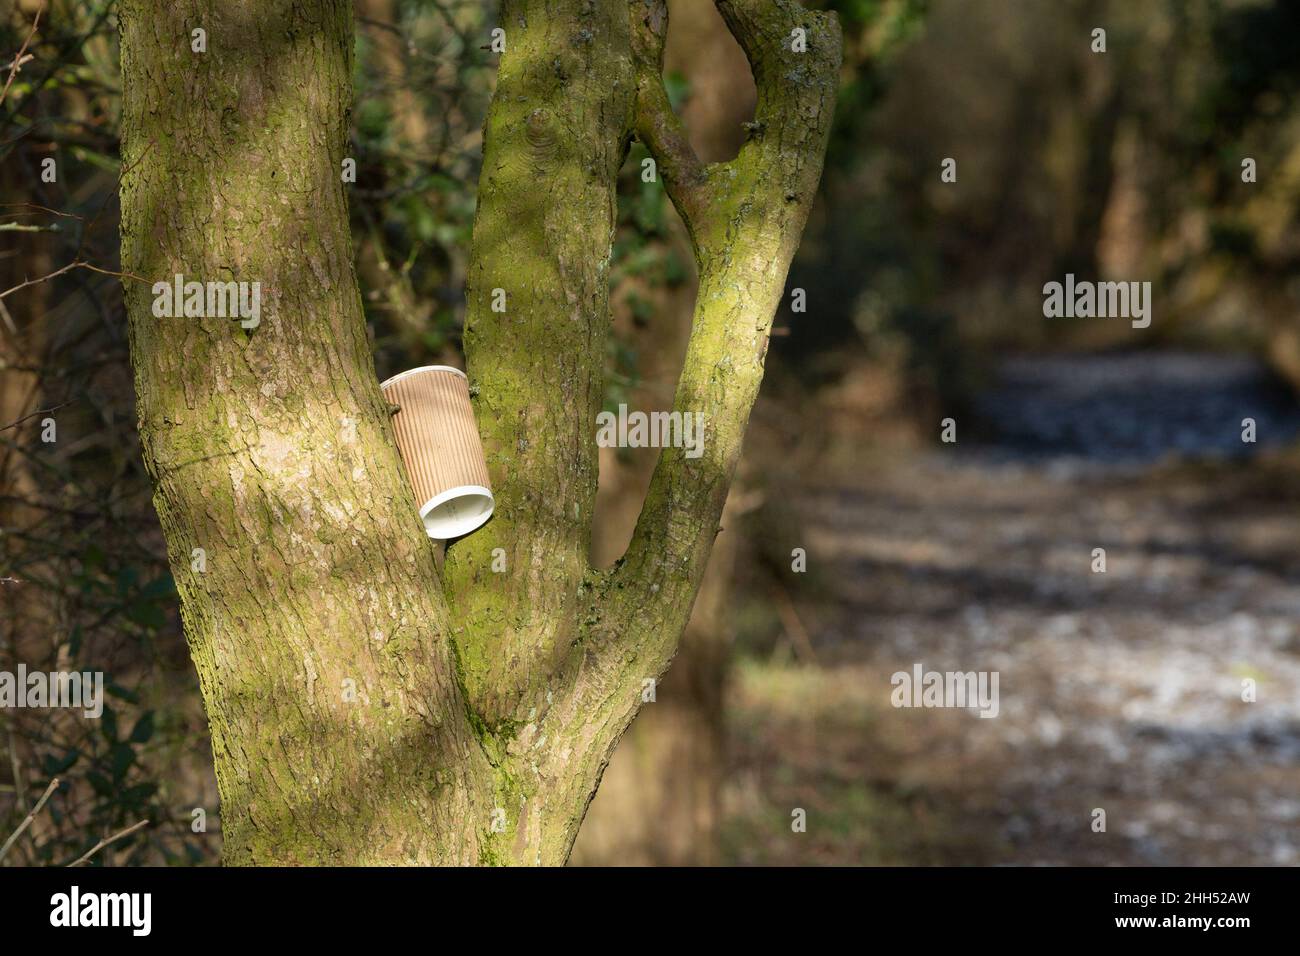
[(338, 728), (364, 707), (660, 798)]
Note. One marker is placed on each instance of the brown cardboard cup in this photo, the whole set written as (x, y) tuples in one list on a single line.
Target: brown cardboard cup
[(439, 444)]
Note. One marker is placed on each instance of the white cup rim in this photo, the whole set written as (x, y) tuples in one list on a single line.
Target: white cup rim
[(423, 368), (443, 527)]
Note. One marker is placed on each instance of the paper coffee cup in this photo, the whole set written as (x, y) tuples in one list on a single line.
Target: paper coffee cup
[(439, 443)]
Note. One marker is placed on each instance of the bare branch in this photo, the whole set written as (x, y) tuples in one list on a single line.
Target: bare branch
[(27, 820), (19, 59), (79, 264), (39, 411), (22, 227), (37, 206), (106, 841)]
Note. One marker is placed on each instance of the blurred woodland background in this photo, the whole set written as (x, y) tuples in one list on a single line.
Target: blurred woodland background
[(1119, 690)]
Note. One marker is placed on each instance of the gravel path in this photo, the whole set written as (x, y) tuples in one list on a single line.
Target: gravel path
[(1119, 690)]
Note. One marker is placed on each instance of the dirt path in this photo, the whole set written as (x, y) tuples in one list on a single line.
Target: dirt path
[(1119, 690)]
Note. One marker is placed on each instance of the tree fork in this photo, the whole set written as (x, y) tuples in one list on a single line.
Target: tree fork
[(363, 710)]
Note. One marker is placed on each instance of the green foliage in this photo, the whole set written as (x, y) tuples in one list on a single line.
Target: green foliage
[(645, 259), (875, 33), (422, 86)]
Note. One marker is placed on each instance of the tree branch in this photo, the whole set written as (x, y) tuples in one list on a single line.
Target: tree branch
[(745, 240), (39, 411), (657, 126), (78, 264), (106, 841), (746, 218), (20, 58), (663, 133), (27, 820)]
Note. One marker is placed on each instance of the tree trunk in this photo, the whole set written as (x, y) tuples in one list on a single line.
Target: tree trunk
[(270, 450), (358, 715)]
